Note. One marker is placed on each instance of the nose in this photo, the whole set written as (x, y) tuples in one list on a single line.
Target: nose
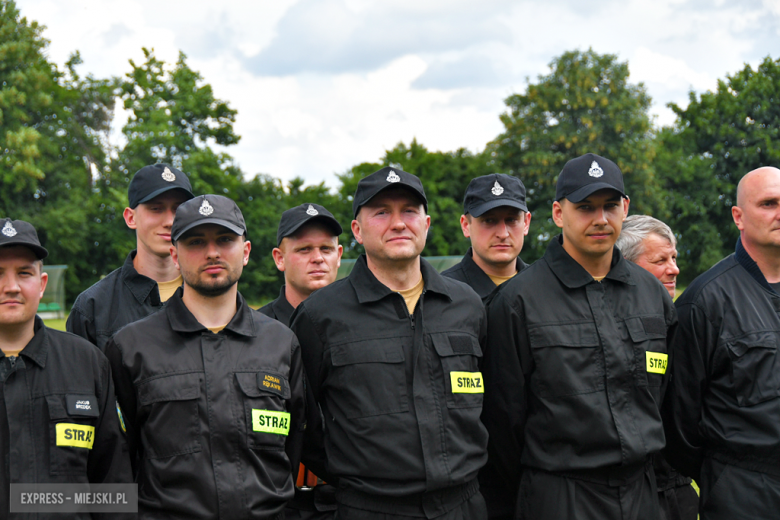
[(672, 268), (502, 231), (212, 250), (398, 221), (9, 284), (316, 256), (170, 213), (601, 216)]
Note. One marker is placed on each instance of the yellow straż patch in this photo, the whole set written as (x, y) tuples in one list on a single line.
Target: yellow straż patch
[(75, 435), (467, 383), (656, 362), (269, 421)]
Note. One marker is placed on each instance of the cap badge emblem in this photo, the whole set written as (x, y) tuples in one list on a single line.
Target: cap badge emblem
[(168, 175), (206, 209), (9, 230), (497, 189), (311, 211), (595, 170), (393, 177)]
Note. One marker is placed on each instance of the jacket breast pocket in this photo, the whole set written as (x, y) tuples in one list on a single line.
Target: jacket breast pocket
[(72, 421), (459, 355), (648, 336), (266, 419), (369, 377), (755, 371), (170, 404), (568, 359)]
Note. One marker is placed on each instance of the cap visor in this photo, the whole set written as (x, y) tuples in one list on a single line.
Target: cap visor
[(39, 251), (163, 190), (232, 227), (586, 191), (395, 185), (480, 210), (331, 223)]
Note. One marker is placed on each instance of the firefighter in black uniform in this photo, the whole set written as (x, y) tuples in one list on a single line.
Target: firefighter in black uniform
[(577, 363), (308, 252), (212, 390), (722, 413), (59, 422), (148, 277), (650, 244), (393, 353), (496, 220)]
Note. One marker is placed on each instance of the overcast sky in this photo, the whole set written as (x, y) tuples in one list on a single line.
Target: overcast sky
[(322, 85)]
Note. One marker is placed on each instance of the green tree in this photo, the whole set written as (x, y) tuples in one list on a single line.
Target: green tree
[(445, 176), (585, 104), (718, 138), (53, 129)]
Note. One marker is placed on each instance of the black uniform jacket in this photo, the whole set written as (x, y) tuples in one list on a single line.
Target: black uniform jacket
[(279, 309), (58, 417), (573, 366), (468, 272), (384, 380), (122, 297), (214, 421), (724, 397)]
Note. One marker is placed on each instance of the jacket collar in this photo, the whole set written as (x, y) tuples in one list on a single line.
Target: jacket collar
[(369, 289), (142, 287), (479, 279), (282, 308), (182, 320), (746, 261), (37, 350), (573, 275)]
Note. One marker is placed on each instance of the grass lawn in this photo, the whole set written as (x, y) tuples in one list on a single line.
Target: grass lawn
[(56, 324)]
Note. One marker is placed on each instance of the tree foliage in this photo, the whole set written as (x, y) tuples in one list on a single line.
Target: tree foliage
[(718, 138), (586, 104)]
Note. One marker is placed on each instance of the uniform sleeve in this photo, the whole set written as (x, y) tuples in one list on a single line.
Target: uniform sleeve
[(311, 353), (505, 372), (297, 408), (80, 324), (126, 399), (672, 324), (682, 407)]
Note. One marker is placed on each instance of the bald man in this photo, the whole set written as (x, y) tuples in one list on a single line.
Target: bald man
[(722, 409)]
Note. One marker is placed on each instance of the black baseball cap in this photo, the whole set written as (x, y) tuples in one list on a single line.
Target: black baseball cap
[(21, 233), (150, 181), (492, 191), (587, 174), (387, 177), (207, 209), (294, 218)]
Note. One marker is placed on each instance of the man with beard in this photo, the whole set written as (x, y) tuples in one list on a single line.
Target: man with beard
[(722, 412), (576, 363), (650, 244), (392, 353), (309, 254), (212, 390), (148, 277)]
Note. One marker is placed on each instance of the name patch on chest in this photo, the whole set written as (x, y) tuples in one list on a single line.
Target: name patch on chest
[(75, 435), (467, 383), (656, 362), (85, 405), (269, 421)]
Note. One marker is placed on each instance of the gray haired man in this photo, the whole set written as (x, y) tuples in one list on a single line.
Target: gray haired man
[(650, 243)]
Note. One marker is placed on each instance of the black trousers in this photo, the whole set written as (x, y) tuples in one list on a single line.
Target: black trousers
[(555, 496), (679, 503), (362, 508), (734, 493)]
